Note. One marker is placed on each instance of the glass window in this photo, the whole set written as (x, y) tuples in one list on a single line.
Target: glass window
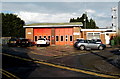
[(93, 36), (66, 38), (61, 38), (57, 39), (44, 36), (81, 41), (35, 38), (70, 38), (40, 36), (49, 38)]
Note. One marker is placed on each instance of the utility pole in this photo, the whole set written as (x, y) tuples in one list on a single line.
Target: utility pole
[(85, 19)]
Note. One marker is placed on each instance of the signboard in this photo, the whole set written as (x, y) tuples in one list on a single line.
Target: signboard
[(76, 33), (29, 33)]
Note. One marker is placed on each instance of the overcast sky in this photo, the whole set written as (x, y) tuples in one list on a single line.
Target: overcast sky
[(39, 12)]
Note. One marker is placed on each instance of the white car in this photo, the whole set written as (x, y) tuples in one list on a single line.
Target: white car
[(43, 41)]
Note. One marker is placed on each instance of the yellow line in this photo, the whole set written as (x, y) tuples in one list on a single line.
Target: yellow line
[(77, 70), (8, 74), (67, 68), (34, 53)]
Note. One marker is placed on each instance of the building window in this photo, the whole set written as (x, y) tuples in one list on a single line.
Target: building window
[(35, 38), (70, 38), (44, 36), (93, 35), (49, 38), (57, 38), (40, 36), (66, 38), (61, 38)]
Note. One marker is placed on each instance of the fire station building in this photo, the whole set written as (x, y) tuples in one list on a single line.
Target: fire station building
[(65, 33)]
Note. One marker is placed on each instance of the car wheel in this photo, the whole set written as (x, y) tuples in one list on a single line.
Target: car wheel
[(30, 45), (37, 45), (82, 47), (101, 48)]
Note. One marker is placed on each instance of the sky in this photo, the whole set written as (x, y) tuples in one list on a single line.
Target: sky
[(60, 12)]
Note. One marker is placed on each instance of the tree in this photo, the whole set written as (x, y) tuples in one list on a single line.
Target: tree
[(12, 26), (86, 23)]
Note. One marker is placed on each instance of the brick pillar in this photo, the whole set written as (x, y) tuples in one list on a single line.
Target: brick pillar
[(29, 33), (102, 37), (76, 33)]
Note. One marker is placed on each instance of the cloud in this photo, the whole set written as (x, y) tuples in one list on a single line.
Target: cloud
[(103, 23), (102, 15), (59, 1), (32, 17), (90, 11), (36, 12)]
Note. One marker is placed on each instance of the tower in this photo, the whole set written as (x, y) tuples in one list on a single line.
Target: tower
[(118, 31), (114, 19)]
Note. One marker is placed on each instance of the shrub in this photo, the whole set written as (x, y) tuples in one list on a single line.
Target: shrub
[(117, 40)]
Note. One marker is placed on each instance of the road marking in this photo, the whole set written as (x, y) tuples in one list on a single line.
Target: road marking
[(8, 74), (67, 68), (60, 56)]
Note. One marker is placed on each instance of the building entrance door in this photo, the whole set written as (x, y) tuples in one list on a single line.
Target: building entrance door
[(107, 38)]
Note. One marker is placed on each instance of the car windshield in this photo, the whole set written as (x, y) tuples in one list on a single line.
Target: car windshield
[(13, 39), (24, 39), (91, 41), (79, 39), (96, 40)]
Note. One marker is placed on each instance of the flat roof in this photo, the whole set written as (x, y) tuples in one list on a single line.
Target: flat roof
[(72, 23), (54, 24), (95, 29)]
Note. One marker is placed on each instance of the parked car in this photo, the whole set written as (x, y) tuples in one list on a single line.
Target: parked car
[(12, 42), (26, 42), (84, 44), (43, 41)]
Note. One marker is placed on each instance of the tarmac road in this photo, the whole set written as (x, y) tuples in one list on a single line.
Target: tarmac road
[(25, 65)]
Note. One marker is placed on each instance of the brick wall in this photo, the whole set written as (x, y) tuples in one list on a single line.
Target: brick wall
[(29, 33), (102, 37), (76, 33)]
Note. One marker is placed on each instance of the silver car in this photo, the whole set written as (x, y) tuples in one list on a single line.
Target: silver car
[(84, 44)]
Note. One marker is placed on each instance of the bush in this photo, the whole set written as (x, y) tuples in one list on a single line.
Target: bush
[(117, 40)]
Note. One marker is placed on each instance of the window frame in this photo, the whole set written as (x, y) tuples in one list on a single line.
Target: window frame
[(40, 36), (63, 38), (93, 34), (70, 38), (56, 39), (66, 38), (49, 38), (36, 38), (44, 36)]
